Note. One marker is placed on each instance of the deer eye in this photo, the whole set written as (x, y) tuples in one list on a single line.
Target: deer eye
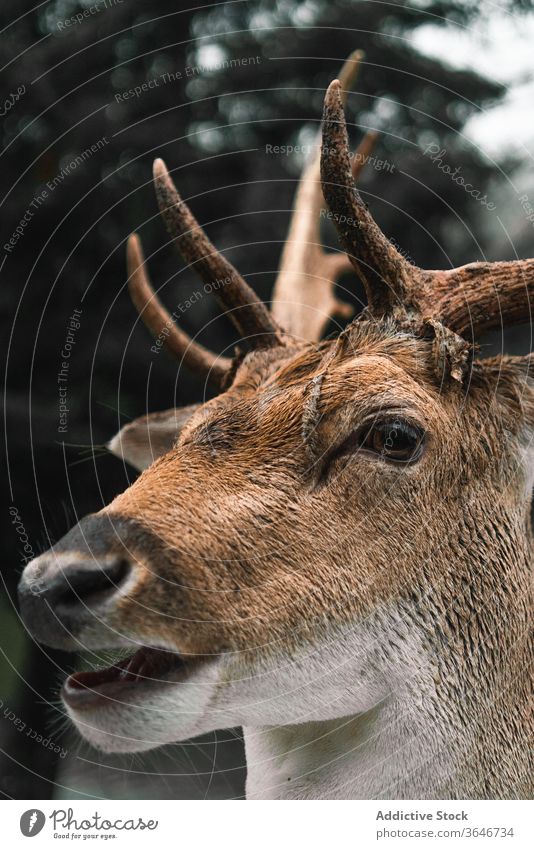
[(395, 440)]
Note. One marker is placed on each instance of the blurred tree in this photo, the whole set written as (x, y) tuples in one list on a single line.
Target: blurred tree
[(218, 85)]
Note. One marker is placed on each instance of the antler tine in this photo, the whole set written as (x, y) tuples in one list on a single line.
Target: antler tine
[(481, 296), (161, 324), (303, 296), (384, 271), (363, 152), (250, 316), (475, 297), (341, 261), (349, 72)]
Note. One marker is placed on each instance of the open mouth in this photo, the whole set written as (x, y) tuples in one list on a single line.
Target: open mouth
[(146, 669)]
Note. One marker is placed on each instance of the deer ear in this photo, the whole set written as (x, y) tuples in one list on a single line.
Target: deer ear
[(145, 439)]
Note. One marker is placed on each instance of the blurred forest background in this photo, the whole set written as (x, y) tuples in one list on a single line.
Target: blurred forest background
[(211, 119)]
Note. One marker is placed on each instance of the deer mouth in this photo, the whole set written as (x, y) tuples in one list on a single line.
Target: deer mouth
[(145, 670)]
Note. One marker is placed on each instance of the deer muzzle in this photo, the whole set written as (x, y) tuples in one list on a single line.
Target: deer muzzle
[(68, 592)]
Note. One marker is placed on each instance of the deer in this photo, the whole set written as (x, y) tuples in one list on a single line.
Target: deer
[(334, 551)]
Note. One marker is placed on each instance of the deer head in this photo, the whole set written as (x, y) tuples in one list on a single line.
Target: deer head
[(343, 526)]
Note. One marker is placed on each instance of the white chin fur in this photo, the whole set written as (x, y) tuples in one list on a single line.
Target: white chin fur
[(167, 714), (346, 673)]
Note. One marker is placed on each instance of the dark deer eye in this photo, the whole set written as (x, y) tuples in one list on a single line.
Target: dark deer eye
[(395, 440)]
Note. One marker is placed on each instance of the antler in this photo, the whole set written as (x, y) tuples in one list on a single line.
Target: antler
[(303, 296), (251, 317), (383, 270), (248, 313), (481, 296), (161, 323), (475, 297)]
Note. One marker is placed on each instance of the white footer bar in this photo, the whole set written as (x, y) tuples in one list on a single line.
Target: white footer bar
[(268, 825)]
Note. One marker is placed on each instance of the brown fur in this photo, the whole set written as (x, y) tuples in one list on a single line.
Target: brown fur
[(252, 550), (259, 531)]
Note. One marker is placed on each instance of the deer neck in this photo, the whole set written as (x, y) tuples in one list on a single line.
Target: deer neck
[(366, 756), (449, 685)]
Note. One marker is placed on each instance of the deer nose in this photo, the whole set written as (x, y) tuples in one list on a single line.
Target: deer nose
[(62, 594)]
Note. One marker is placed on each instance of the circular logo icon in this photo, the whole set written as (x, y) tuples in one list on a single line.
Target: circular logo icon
[(31, 822)]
